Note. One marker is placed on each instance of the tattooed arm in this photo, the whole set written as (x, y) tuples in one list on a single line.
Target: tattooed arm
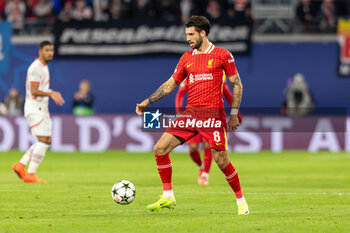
[(164, 90), (236, 83)]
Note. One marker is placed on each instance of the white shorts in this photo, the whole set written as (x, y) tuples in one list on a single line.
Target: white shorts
[(40, 123)]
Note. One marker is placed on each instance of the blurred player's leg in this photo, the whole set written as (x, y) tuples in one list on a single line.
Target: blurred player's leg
[(38, 155), (193, 144), (195, 155), (19, 167), (28, 155), (208, 157), (40, 125), (162, 148)]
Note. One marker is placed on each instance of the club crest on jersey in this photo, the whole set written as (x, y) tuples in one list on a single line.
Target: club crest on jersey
[(210, 63)]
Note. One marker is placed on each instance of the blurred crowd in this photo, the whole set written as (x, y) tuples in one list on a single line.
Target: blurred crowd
[(320, 16), (13, 104), (33, 15), (82, 105)]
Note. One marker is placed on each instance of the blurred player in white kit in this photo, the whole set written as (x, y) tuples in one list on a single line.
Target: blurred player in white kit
[(36, 111)]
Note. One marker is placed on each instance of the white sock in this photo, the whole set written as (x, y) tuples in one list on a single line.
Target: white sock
[(169, 194), (28, 155), (37, 156), (205, 174), (241, 200), (200, 167)]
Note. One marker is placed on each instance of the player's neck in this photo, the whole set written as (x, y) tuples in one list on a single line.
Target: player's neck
[(42, 61), (205, 45)]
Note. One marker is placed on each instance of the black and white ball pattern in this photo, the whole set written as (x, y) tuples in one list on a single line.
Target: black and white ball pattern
[(123, 192)]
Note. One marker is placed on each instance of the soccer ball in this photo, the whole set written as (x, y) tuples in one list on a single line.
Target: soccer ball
[(123, 192)]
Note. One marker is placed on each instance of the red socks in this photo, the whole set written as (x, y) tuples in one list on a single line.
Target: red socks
[(165, 170), (196, 157), (233, 180), (208, 157)]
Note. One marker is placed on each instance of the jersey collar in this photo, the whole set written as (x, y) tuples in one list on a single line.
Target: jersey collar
[(208, 51), (40, 61)]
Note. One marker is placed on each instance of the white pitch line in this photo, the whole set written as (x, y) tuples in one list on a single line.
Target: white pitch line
[(205, 192), (39, 192), (313, 193), (330, 157), (273, 193)]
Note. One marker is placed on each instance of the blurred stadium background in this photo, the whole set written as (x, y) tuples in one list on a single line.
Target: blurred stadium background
[(127, 48)]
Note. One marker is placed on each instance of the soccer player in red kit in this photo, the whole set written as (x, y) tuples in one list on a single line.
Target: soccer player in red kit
[(203, 67), (193, 143)]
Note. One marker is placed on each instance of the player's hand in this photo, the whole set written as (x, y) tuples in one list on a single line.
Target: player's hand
[(56, 96), (141, 107), (179, 113), (233, 122)]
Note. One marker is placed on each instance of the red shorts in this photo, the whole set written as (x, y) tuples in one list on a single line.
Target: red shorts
[(196, 139), (215, 134)]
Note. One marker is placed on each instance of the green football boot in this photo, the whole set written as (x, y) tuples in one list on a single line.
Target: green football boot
[(243, 208), (162, 203)]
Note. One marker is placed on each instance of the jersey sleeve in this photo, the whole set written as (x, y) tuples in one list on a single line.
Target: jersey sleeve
[(180, 72), (180, 95), (229, 64), (34, 75)]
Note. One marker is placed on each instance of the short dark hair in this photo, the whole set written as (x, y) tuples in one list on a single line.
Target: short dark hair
[(44, 43), (200, 23)]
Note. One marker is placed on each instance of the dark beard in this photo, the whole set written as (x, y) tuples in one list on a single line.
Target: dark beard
[(47, 61), (198, 43)]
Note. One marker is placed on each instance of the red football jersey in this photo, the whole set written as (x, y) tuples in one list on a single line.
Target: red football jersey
[(180, 96), (204, 73), (183, 88)]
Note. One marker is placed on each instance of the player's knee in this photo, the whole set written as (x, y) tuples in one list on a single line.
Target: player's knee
[(206, 145), (193, 148), (221, 161), (159, 149), (46, 140)]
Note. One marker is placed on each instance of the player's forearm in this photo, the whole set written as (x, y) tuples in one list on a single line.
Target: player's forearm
[(158, 94), (41, 93), (164, 90), (237, 91), (237, 97)]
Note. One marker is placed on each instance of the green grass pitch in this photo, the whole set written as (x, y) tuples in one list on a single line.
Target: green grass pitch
[(288, 192)]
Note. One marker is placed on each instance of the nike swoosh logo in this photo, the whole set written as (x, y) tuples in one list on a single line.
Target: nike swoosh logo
[(189, 65), (218, 144), (161, 204)]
